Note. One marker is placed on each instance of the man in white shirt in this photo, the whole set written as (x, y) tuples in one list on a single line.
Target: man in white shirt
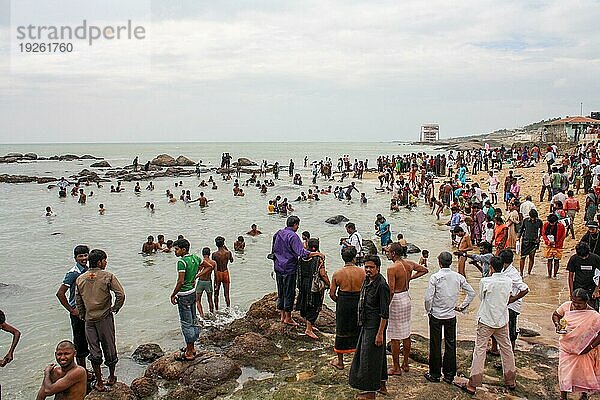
[(519, 290), (354, 239), (492, 320), (526, 206), (440, 303)]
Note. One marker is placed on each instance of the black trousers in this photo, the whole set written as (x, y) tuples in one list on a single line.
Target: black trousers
[(435, 347)]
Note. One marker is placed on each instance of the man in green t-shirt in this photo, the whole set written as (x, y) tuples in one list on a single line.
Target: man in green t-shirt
[(184, 295)]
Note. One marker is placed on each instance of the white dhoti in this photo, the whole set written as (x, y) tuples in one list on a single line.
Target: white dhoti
[(398, 326)]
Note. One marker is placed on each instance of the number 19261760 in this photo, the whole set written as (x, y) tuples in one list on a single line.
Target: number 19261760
[(50, 47)]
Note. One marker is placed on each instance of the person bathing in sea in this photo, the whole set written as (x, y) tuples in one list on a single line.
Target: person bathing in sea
[(239, 244), (253, 231), (204, 283)]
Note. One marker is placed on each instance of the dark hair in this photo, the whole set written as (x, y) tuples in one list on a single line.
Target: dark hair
[(582, 249), (458, 229), (396, 249), (2, 317), (486, 245), (206, 251), (219, 241), (240, 238), (552, 218), (150, 237), (351, 225), (374, 259), (66, 343), (533, 213), (348, 253), (292, 220), (582, 294), (306, 234), (182, 244), (496, 264), (313, 244), (95, 256), (169, 243), (507, 256), (425, 253), (81, 249)]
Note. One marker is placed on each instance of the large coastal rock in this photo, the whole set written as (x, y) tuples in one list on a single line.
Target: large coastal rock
[(412, 249), (207, 371), (251, 345), (144, 387), (147, 352), (100, 164), (164, 160), (336, 219), (6, 178), (245, 162), (118, 391), (183, 161)]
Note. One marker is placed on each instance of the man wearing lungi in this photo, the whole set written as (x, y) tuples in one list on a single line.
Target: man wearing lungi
[(399, 276)]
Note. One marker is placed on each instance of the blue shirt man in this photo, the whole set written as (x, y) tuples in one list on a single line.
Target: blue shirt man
[(287, 249)]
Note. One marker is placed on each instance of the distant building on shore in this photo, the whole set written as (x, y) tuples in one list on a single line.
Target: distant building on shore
[(572, 129), (430, 133)]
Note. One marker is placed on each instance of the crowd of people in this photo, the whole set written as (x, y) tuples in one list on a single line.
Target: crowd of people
[(487, 232)]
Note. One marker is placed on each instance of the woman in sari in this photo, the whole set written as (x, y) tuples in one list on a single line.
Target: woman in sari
[(579, 359), (500, 234), (312, 283)]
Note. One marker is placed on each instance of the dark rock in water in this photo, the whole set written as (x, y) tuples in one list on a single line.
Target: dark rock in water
[(369, 247), (336, 220), (119, 391), (17, 178), (183, 161), (250, 345), (206, 371), (245, 162), (528, 332), (50, 186), (46, 179), (144, 387), (89, 157), (183, 393), (147, 352), (100, 164), (55, 233), (164, 160), (14, 155), (68, 157), (412, 249), (30, 156)]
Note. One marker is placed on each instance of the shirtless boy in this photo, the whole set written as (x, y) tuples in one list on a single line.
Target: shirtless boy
[(222, 256), (399, 276), (464, 245), (253, 231), (204, 283), (149, 246), (239, 244), (67, 380)]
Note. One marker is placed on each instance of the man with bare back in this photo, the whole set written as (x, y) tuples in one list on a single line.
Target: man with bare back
[(67, 380), (399, 276), (204, 283), (345, 291), (222, 257)]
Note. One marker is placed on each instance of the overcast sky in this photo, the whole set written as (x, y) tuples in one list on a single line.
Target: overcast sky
[(298, 71)]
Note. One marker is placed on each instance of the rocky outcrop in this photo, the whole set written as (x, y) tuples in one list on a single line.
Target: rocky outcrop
[(251, 345), (183, 161), (6, 178), (144, 387), (118, 391), (17, 157), (244, 162), (336, 219), (164, 160), (206, 372), (412, 249), (147, 353), (100, 164)]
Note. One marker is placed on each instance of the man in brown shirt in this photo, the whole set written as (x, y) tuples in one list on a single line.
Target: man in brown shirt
[(399, 276), (94, 305)]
